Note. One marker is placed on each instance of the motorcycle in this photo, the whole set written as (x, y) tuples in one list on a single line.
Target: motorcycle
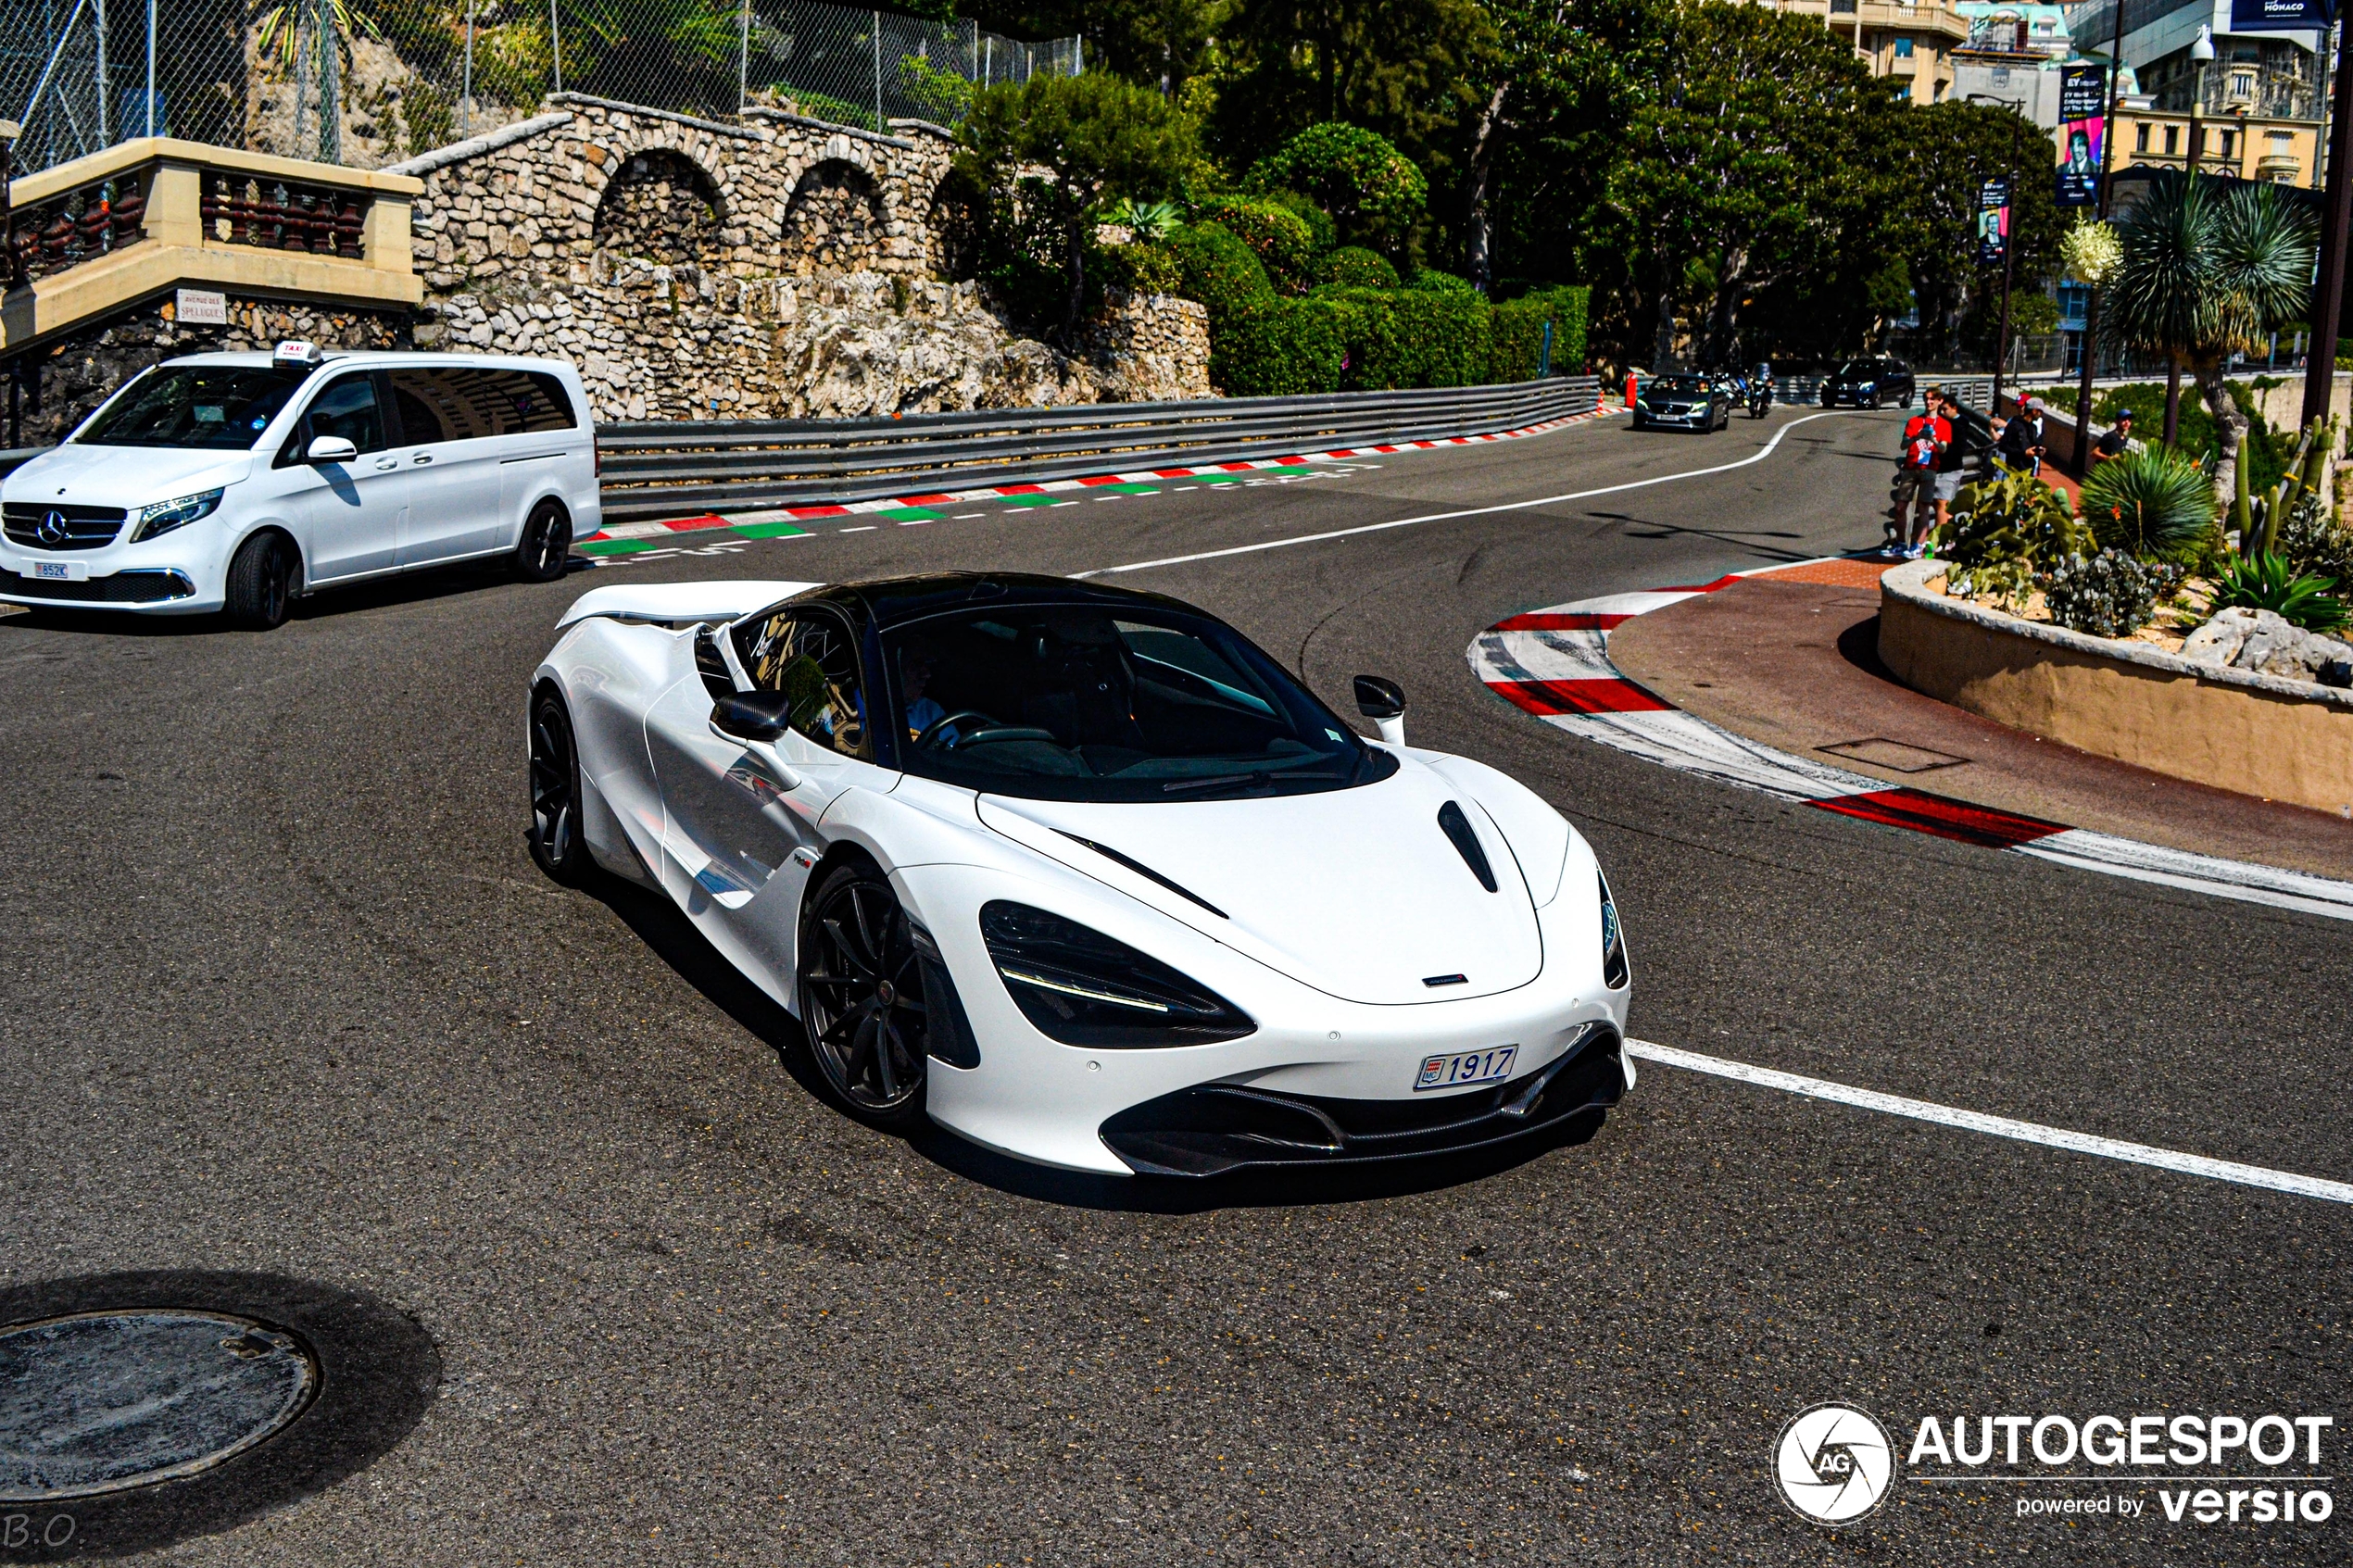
[(1760, 398)]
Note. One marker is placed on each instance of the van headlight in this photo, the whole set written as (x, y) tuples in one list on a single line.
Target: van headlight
[(1083, 988), (164, 516)]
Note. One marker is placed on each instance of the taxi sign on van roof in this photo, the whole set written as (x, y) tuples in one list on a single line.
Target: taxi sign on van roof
[(295, 351)]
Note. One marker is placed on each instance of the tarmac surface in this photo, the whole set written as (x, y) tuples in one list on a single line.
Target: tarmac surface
[(287, 1010)]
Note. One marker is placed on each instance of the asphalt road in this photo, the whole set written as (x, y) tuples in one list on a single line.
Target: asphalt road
[(284, 999)]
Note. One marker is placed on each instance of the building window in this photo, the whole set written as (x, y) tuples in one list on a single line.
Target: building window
[(1903, 48), (2229, 138), (2140, 138), (2173, 140), (2242, 84)]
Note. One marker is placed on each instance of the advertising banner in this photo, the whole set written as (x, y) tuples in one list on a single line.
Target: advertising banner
[(1993, 222), (2083, 129), (2281, 15)]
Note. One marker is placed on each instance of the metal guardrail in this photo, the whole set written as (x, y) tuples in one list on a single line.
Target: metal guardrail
[(670, 469)]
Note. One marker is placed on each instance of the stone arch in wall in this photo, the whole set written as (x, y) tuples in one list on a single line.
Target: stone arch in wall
[(834, 223), (662, 205), (953, 229)]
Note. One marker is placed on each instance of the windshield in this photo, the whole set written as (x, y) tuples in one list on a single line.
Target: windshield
[(1858, 367), (223, 407), (1686, 385), (1074, 703)]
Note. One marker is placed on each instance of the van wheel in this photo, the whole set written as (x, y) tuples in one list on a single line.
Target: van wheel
[(546, 546), (261, 585)]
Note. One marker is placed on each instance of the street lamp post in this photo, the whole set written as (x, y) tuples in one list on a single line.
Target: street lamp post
[(2092, 303), (2203, 53), (2320, 367)]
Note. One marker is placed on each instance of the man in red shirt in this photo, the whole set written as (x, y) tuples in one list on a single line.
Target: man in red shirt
[(1928, 435)]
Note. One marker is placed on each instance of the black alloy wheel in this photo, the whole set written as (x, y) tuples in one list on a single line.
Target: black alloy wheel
[(259, 591), (861, 998), (545, 546), (1871, 400), (554, 834)]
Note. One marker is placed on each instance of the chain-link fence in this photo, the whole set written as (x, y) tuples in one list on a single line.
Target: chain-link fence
[(368, 83)]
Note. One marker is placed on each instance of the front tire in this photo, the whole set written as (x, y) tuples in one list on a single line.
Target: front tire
[(557, 844), (546, 546), (862, 998), (259, 590)]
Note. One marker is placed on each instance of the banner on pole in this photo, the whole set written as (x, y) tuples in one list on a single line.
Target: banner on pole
[(2281, 15), (2083, 129), (1993, 222)]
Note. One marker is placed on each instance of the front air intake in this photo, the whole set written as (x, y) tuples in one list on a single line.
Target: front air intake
[(1457, 827)]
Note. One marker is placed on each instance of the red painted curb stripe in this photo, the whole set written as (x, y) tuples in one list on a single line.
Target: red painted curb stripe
[(927, 501), (1574, 621), (686, 524), (1716, 586), (1599, 695), (818, 511), (1956, 820)]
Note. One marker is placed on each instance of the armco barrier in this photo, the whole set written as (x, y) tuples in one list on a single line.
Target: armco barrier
[(671, 469)]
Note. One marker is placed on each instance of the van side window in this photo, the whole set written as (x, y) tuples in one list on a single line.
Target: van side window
[(428, 410), (347, 408)]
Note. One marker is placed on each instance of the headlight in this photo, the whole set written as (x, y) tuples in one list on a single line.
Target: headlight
[(1613, 941), (164, 516), (1082, 988)]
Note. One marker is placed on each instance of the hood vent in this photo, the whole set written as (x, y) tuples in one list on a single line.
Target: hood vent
[(1108, 853), (1458, 828)]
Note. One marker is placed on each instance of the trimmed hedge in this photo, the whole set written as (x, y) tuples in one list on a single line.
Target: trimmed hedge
[(1519, 332), (1406, 337), (1354, 267), (1436, 281), (1281, 238), (1218, 270), (1276, 348)]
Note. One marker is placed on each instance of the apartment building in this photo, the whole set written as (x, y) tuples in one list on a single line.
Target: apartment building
[(1911, 41)]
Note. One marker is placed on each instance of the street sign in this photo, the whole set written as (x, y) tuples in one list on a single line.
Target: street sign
[(2083, 127), (2281, 15), (201, 308), (1993, 222)]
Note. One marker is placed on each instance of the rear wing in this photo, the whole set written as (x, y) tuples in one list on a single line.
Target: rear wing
[(680, 604)]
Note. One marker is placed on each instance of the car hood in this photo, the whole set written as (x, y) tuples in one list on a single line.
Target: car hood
[(122, 476), (1355, 892)]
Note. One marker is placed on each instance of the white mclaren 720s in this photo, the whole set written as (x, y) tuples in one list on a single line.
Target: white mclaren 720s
[(1081, 874)]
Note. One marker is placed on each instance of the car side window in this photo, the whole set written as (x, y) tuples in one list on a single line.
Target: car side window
[(809, 656), (347, 408), (429, 413)]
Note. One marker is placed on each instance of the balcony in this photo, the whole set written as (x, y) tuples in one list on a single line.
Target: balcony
[(90, 237)]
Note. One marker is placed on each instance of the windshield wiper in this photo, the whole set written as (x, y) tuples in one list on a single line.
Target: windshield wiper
[(1253, 778)]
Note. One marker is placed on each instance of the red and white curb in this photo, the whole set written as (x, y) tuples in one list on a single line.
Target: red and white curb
[(921, 502), (1555, 664)]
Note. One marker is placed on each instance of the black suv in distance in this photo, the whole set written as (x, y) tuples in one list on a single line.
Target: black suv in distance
[(1869, 384)]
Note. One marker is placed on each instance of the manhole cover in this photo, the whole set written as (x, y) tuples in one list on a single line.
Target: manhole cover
[(1893, 755), (98, 1401)]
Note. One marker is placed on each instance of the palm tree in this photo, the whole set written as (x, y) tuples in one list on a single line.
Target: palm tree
[(2207, 273)]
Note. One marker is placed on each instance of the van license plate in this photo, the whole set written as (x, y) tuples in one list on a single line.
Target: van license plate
[(61, 570), (1468, 1067)]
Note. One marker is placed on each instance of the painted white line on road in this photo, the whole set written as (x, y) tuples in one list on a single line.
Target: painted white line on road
[(1998, 1126), (1757, 457)]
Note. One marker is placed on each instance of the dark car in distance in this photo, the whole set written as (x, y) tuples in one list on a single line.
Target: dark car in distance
[(1684, 402), (1869, 384)]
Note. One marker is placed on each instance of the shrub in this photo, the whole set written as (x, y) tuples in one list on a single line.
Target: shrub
[(1140, 269), (1519, 333), (1431, 281), (1354, 267), (1217, 269), (2315, 545), (1321, 230), (2268, 451), (2003, 532), (1369, 187), (2153, 504), (1280, 236), (1276, 347), (1399, 338), (2109, 595), (1145, 220), (2269, 583)]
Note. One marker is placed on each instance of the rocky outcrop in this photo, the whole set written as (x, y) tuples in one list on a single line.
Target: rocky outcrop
[(2270, 643)]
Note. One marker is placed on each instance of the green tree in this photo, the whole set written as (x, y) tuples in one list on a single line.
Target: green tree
[(1161, 43), (1739, 165), (2206, 274), (1097, 137), (1946, 153)]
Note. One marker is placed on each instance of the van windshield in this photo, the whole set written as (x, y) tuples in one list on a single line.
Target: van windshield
[(1078, 703), (222, 407)]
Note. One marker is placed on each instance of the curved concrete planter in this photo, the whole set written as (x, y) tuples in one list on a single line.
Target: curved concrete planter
[(2258, 735)]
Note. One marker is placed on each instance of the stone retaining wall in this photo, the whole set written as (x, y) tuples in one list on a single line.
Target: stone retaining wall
[(2233, 729)]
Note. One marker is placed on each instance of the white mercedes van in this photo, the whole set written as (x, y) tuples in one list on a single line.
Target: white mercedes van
[(236, 481)]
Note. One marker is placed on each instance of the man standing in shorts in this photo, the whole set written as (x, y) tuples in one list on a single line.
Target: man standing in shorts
[(1928, 435), (1949, 462)]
